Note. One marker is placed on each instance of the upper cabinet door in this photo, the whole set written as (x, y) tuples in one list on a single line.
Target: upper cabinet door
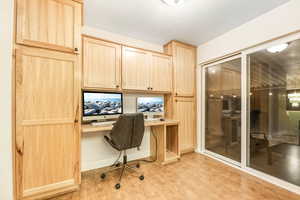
[(185, 70), (136, 65), (101, 64), (161, 73), (51, 24)]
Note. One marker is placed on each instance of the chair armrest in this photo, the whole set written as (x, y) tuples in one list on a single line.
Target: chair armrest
[(107, 138), (110, 141)]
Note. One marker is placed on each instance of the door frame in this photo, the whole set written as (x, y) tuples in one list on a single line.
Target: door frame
[(203, 110)]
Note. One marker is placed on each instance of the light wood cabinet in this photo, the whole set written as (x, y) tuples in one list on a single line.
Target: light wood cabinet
[(101, 64), (161, 73), (50, 24), (146, 71), (182, 107), (184, 61), (136, 65), (185, 113), (47, 132)]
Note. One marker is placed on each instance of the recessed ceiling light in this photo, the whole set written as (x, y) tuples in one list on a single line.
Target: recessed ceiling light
[(278, 48), (173, 2)]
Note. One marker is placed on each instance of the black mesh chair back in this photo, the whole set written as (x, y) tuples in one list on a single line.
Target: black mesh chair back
[(128, 131)]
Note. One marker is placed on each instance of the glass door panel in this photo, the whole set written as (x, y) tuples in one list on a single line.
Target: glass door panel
[(274, 111), (223, 109)]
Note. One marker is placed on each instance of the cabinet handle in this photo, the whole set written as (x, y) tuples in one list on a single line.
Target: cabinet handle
[(151, 88), (148, 88), (76, 50), (117, 86)]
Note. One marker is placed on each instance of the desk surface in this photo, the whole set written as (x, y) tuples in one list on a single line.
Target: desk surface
[(87, 128)]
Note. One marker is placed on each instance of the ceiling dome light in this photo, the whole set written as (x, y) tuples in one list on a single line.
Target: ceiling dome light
[(173, 2), (278, 48)]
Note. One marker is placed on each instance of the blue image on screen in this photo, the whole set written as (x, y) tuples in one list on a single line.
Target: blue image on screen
[(96, 104), (150, 104)]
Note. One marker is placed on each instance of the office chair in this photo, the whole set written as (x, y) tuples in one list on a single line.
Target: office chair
[(127, 133)]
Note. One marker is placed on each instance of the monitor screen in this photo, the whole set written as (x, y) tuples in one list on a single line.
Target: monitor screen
[(150, 104), (102, 103)]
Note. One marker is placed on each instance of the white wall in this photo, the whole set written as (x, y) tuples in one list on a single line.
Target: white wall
[(277, 22), (6, 26), (95, 152), (121, 39)]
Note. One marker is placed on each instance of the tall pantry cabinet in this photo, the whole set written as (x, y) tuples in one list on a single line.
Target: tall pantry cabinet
[(47, 93), (184, 92)]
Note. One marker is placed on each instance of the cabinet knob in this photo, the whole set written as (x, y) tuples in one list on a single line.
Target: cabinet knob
[(148, 88), (76, 49), (151, 88), (117, 86), (19, 151)]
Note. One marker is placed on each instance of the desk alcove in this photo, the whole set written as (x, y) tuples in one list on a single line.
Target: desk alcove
[(161, 140)]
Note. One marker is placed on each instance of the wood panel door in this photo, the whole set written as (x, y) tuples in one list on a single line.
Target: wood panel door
[(136, 65), (51, 24), (101, 64), (184, 111), (185, 70), (47, 132), (161, 73)]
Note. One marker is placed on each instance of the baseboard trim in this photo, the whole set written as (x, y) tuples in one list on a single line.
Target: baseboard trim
[(50, 190), (107, 162)]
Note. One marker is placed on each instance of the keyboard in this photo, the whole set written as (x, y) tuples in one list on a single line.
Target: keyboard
[(102, 123), (152, 120)]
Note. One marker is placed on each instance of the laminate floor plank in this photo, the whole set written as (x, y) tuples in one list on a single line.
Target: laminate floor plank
[(194, 177)]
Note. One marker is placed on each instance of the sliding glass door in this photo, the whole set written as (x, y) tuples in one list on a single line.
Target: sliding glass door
[(222, 97), (274, 111), (255, 123)]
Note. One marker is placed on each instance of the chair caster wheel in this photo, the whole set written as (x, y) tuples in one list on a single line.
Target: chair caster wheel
[(142, 177), (138, 165), (118, 165), (103, 176), (117, 186)]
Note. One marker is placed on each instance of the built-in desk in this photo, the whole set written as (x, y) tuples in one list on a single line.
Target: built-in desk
[(164, 144)]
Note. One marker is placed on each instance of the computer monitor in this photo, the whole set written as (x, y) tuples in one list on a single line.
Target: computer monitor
[(150, 105), (101, 105)]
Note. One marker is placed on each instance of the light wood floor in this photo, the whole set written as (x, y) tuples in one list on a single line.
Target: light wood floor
[(195, 177)]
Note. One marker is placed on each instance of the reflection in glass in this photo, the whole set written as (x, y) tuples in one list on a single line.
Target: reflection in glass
[(223, 109), (274, 111)]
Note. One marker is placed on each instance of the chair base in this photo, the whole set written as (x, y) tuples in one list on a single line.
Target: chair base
[(123, 167)]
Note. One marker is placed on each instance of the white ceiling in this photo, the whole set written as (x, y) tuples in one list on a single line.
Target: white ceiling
[(195, 22)]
